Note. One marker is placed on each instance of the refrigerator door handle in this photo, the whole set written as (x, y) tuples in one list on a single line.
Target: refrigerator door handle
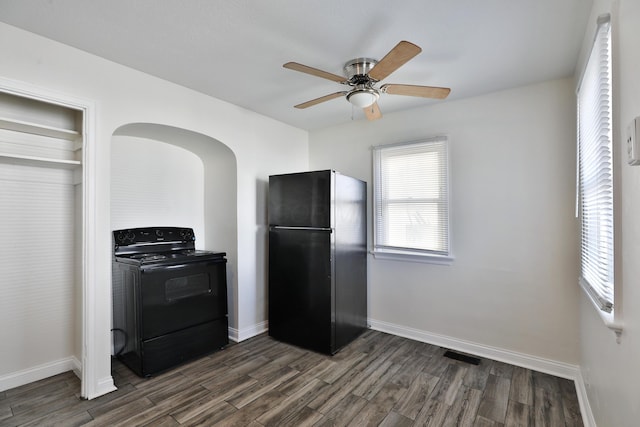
[(280, 227)]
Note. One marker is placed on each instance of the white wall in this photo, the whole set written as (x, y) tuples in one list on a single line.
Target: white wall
[(122, 96), (156, 184), (611, 370), (512, 285)]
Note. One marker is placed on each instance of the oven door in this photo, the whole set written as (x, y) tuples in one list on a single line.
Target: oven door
[(175, 297)]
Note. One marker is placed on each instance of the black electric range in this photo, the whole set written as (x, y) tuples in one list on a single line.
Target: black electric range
[(169, 299)]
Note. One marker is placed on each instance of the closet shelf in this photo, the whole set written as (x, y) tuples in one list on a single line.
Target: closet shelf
[(39, 161), (38, 129)]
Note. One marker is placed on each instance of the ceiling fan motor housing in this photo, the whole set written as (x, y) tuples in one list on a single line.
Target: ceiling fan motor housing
[(357, 70)]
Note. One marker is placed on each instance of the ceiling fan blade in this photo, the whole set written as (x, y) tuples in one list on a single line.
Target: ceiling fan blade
[(412, 90), (319, 100), (393, 60), (314, 72), (373, 112)]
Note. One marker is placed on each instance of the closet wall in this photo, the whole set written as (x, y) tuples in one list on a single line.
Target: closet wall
[(40, 238)]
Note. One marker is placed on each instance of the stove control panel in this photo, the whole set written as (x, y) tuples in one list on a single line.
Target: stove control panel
[(135, 236)]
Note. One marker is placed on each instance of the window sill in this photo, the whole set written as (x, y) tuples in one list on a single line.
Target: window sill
[(609, 319), (412, 257)]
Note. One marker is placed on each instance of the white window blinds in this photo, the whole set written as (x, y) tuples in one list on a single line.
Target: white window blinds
[(596, 170), (411, 206)]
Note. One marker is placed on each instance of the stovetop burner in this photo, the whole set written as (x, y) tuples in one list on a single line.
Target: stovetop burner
[(146, 256)]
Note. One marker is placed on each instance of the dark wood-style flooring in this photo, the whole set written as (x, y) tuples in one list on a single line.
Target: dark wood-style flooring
[(378, 380)]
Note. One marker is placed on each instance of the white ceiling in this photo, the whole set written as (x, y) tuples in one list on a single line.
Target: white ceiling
[(234, 50)]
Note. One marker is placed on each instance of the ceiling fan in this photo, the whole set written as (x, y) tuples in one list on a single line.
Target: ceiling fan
[(362, 74)]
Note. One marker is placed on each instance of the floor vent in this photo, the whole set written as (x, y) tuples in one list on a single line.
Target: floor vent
[(462, 357)]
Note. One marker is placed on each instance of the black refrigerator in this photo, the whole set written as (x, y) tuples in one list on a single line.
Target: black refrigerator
[(317, 259)]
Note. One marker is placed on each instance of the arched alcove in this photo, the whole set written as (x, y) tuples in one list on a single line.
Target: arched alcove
[(215, 165)]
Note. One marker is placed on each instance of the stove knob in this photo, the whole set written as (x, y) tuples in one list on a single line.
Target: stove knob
[(131, 236), (159, 233)]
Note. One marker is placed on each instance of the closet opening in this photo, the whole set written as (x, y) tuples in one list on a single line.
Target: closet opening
[(46, 255)]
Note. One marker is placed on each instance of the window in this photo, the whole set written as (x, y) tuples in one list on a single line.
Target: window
[(411, 205), (595, 177)]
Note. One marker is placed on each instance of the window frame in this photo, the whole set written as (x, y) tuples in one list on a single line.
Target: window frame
[(598, 279), (401, 253)]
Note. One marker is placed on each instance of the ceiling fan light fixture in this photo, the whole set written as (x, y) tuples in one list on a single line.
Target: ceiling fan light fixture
[(363, 98)]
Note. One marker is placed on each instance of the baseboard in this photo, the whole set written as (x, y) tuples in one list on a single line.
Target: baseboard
[(233, 334), (77, 367), (559, 369), (585, 408), (239, 335), (40, 372), (103, 386)]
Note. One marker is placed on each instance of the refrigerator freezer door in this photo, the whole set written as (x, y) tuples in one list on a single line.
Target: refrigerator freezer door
[(301, 199), (300, 288)]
